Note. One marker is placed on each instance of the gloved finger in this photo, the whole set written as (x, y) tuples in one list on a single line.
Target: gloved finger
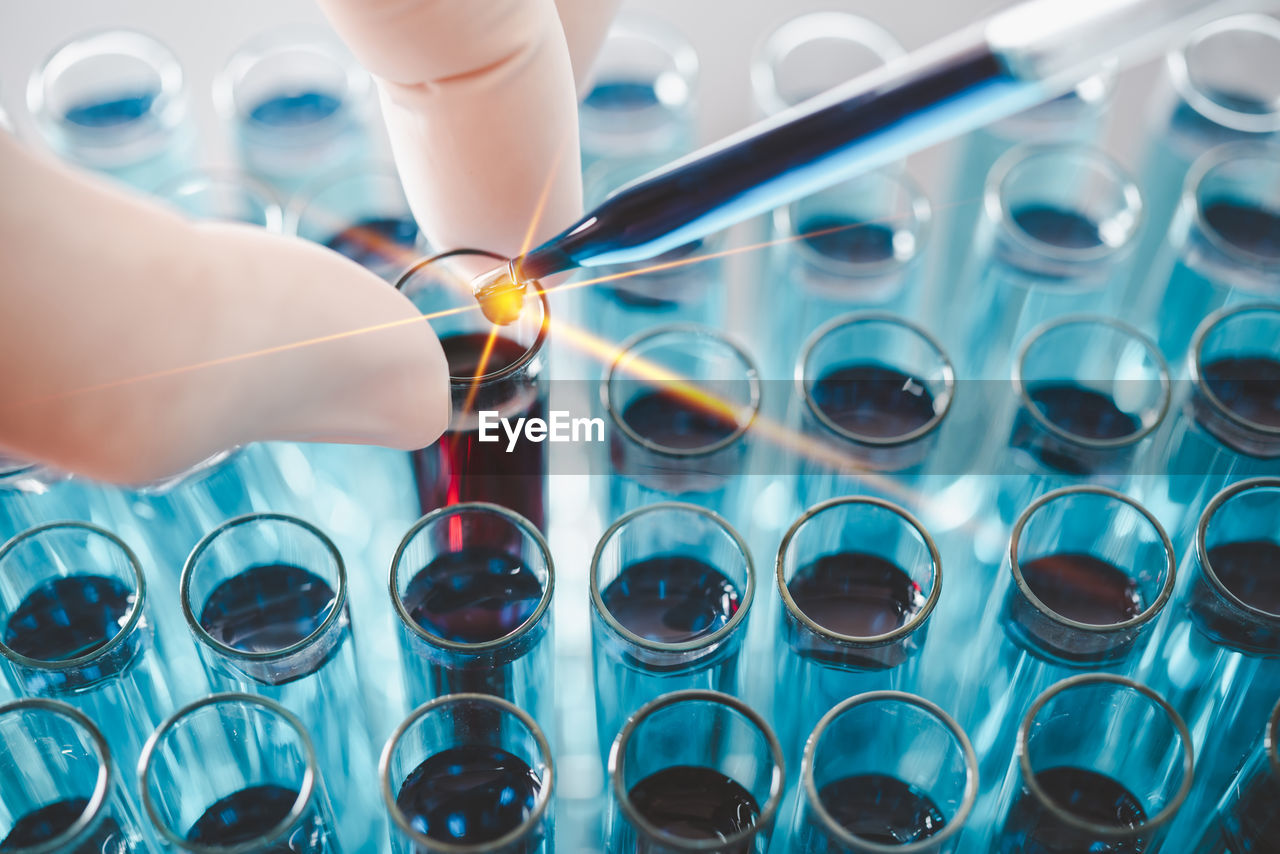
[(585, 24), (480, 104), (134, 343)]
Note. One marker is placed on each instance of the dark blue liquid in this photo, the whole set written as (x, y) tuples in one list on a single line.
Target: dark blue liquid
[(125, 108), (244, 816), (883, 809), (873, 400), (856, 594), (1250, 569), (695, 803), (49, 821), (1088, 795), (1083, 412), (672, 420), (671, 598), (1248, 386), (621, 95), (473, 595), (378, 243), (69, 617), (848, 240), (1083, 588), (1249, 227), (294, 109), (1058, 227), (473, 794), (267, 608)]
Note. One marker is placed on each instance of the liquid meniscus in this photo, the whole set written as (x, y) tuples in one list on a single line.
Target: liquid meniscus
[(670, 420), (1057, 227), (695, 803), (472, 794), (52, 820), (873, 400), (295, 108), (1249, 387), (856, 594), (883, 809), (1083, 588), (671, 599), (473, 595), (267, 608), (1083, 412), (1250, 569), (849, 240), (246, 815), (69, 617), (121, 110)]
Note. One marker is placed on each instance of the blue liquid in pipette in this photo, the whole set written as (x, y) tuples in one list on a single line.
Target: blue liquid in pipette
[(293, 110), (246, 815), (471, 794), (848, 240), (267, 608), (120, 110), (50, 821), (1057, 226), (69, 617)]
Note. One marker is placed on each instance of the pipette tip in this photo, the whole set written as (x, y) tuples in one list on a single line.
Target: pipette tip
[(500, 294)]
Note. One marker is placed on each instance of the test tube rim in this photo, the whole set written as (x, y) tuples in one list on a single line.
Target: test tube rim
[(657, 31), (273, 211), (692, 330), (1036, 335), (1142, 618), (1197, 375), (1179, 72), (135, 611), (851, 319), (739, 616), (310, 776), (1215, 504), (524, 526), (1164, 816), (953, 826), (337, 609), (301, 203), (438, 846), (613, 769), (1219, 157), (918, 619), (102, 786)]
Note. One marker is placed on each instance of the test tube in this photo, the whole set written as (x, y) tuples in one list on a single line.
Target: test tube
[(858, 578), (1102, 764), (77, 627), (1058, 222), (1218, 656), (115, 102), (468, 773), (472, 587), (236, 774), (295, 104), (671, 590), (875, 391), (1245, 820), (693, 771), (265, 597), (223, 196), (494, 372), (681, 401), (884, 771), (60, 789), (361, 213), (1224, 239)]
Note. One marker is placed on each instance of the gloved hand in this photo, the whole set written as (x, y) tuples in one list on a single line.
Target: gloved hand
[(134, 343)]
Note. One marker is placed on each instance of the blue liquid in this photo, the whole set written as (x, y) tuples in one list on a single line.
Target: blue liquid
[(378, 242), (883, 809), (1088, 795), (1058, 226), (474, 595), (292, 110), (246, 815), (267, 608), (621, 95), (671, 599), (469, 794), (873, 400), (856, 594), (695, 803), (1083, 588), (1248, 386), (121, 110), (69, 617), (1250, 569), (49, 821), (848, 240), (1082, 412), (1248, 227), (672, 421)]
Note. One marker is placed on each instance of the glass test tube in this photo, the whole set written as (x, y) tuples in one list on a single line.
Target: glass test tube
[(363, 214), (1218, 655), (671, 590), (1102, 765), (295, 102), (1246, 821), (1225, 241), (1088, 572), (468, 773), (1221, 87), (223, 196), (60, 788), (499, 371), (858, 578), (681, 401), (874, 391), (472, 586), (265, 597), (883, 770), (693, 771), (115, 102), (236, 774), (77, 627)]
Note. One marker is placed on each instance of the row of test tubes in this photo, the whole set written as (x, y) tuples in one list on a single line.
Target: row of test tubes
[(1048, 383)]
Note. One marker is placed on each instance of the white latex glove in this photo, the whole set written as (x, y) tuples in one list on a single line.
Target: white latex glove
[(128, 335)]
